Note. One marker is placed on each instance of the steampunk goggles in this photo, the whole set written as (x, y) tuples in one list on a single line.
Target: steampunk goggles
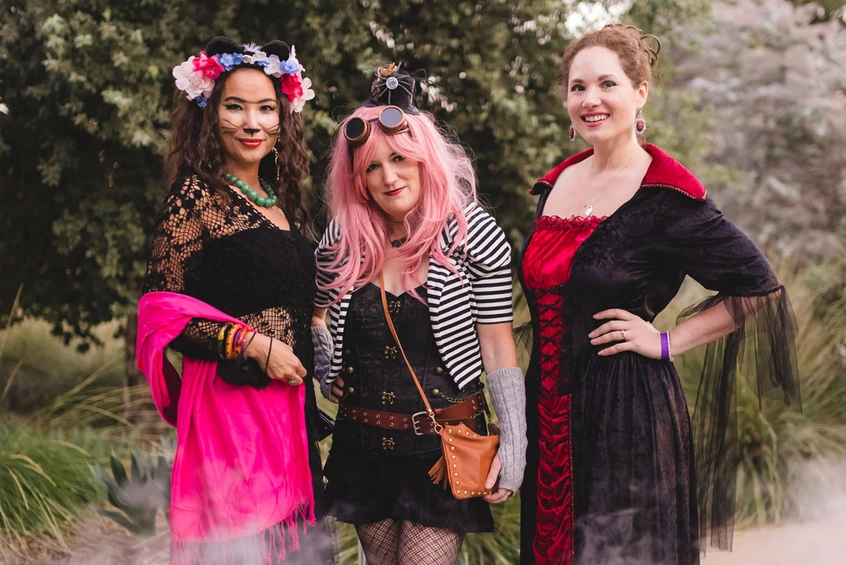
[(391, 120)]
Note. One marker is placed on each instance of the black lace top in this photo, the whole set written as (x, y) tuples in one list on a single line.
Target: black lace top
[(220, 249)]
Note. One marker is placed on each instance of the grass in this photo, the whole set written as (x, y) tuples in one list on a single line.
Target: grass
[(36, 366), (45, 480), (60, 413)]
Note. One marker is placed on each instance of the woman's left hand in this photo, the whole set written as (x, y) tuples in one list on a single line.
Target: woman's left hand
[(500, 494), (627, 332)]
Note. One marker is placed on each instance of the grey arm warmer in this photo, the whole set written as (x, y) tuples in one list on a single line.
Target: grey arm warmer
[(321, 339), (508, 394)]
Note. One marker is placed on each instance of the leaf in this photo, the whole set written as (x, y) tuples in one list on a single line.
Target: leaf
[(118, 471)]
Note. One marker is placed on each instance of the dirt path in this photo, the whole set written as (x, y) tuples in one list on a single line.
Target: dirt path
[(810, 543)]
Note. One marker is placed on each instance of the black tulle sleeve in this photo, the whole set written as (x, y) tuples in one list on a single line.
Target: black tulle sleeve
[(177, 243), (694, 236)]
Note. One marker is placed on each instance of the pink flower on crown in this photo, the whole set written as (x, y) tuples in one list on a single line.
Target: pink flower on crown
[(292, 85), (207, 66)]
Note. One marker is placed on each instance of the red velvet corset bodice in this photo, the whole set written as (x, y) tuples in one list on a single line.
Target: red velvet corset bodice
[(547, 263)]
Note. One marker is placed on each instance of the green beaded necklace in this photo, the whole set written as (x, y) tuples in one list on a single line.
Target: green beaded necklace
[(267, 202)]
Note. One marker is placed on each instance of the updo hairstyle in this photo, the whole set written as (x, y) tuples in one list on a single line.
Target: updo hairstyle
[(638, 51)]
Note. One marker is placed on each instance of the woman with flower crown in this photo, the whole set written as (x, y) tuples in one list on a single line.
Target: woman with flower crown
[(230, 285), (407, 229)]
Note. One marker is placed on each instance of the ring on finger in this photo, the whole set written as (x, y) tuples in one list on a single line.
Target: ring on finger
[(292, 382), (623, 335)]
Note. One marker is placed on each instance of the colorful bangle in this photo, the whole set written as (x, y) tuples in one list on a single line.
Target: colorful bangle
[(221, 340), (236, 342), (242, 346), (666, 352), (230, 336)]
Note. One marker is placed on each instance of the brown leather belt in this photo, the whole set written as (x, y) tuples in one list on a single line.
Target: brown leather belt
[(464, 412)]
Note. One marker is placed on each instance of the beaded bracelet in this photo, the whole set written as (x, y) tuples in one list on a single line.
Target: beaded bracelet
[(666, 352)]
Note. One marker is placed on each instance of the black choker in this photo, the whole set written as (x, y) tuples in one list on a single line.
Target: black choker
[(398, 242)]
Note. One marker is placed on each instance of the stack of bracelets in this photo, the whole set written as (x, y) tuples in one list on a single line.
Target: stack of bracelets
[(232, 340)]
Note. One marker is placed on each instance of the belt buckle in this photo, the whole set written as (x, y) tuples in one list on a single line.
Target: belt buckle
[(414, 422)]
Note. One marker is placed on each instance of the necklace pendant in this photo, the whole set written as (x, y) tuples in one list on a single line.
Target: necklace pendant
[(588, 211)]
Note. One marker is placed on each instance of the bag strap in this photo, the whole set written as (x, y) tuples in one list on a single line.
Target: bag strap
[(429, 411)]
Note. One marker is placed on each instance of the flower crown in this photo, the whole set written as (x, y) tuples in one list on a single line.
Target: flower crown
[(195, 77)]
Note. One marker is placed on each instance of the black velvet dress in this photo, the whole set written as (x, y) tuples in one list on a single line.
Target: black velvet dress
[(220, 249), (631, 488)]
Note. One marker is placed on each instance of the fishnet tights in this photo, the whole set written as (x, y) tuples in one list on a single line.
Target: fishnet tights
[(400, 542)]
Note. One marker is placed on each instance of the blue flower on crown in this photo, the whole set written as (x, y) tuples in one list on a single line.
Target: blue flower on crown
[(230, 60), (290, 67), (201, 101)]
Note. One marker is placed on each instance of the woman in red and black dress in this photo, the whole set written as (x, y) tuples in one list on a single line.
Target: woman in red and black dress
[(611, 475)]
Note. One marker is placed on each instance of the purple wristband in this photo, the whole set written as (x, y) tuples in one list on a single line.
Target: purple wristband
[(665, 347)]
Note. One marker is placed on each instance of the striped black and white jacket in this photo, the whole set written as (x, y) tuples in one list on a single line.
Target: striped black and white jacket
[(482, 294)]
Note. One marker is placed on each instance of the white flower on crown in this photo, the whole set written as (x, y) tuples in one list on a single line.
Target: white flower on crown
[(192, 83), (273, 67), (299, 103), (251, 47)]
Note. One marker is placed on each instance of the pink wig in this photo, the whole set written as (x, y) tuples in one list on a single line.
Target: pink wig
[(447, 186)]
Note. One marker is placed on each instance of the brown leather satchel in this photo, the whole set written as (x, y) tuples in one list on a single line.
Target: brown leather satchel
[(466, 456)]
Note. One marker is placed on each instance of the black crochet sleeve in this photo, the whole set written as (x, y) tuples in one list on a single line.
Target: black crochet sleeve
[(177, 248)]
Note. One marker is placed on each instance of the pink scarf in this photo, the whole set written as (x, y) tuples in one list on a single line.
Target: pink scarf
[(241, 463)]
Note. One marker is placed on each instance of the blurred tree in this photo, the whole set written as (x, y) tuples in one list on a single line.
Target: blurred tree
[(769, 77), (85, 88), (830, 8)]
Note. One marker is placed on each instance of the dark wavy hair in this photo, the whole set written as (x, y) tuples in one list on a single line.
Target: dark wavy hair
[(195, 148)]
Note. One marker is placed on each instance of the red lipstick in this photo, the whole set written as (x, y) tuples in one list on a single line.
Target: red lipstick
[(250, 142)]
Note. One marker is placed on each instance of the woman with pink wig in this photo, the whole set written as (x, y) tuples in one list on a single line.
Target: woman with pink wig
[(406, 223)]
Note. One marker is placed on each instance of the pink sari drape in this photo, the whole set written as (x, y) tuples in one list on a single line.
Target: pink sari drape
[(241, 463)]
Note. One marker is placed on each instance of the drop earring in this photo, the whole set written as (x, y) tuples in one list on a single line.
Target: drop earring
[(639, 123), (572, 133), (276, 162)]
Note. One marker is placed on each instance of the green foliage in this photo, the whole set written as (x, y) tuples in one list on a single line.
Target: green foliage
[(502, 547), (137, 496), (87, 86), (36, 367), (44, 477)]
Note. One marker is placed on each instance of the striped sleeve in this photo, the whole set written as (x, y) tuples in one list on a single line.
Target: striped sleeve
[(489, 267), (324, 256)]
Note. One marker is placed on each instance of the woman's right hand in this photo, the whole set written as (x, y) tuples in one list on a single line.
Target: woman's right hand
[(337, 391), (277, 359)]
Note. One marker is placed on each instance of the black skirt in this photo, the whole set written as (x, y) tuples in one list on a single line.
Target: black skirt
[(364, 489)]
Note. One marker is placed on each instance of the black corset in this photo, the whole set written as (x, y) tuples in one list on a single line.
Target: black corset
[(376, 376)]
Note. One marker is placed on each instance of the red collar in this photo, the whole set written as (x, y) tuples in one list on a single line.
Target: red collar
[(663, 172)]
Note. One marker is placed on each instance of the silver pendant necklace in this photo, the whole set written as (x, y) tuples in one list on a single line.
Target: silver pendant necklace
[(589, 205)]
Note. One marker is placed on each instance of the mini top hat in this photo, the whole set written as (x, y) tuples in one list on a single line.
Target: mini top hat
[(393, 87)]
